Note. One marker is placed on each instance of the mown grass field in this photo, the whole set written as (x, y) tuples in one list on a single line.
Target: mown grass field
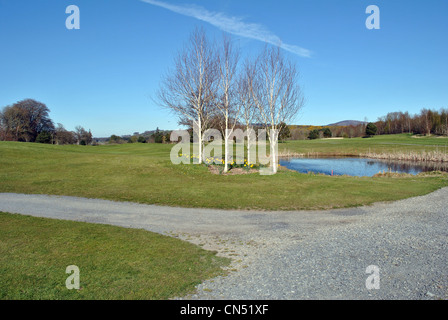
[(144, 173), (114, 263)]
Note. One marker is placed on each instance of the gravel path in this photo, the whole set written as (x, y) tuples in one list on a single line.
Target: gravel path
[(291, 255)]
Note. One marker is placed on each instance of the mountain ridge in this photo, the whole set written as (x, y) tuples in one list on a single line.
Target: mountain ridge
[(347, 123)]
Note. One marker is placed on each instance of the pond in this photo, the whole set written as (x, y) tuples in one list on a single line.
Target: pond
[(359, 166)]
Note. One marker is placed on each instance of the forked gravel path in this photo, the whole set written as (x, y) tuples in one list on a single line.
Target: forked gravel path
[(291, 255)]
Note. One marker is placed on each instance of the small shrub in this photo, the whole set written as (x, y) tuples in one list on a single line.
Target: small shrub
[(314, 134), (371, 129), (44, 137)]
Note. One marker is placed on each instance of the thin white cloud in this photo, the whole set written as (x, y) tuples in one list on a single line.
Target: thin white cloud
[(233, 25)]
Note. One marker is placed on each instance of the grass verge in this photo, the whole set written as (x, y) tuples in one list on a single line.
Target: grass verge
[(114, 262)]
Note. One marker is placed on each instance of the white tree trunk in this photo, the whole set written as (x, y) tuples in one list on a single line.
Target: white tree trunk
[(197, 145), (273, 157), (273, 140), (248, 144), (226, 144), (200, 140)]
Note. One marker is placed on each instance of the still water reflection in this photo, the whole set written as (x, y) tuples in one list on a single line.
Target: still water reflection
[(359, 166)]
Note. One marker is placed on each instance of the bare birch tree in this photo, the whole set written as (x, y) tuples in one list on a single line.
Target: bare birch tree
[(247, 104), (276, 93), (228, 59), (190, 89)]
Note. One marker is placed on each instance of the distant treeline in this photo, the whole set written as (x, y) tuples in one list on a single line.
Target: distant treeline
[(316, 132), (426, 122), (156, 136), (28, 121)]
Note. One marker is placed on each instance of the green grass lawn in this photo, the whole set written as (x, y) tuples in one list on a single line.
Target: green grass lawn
[(114, 262), (144, 173)]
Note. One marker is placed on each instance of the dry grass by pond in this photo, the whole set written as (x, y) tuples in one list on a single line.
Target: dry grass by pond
[(422, 156)]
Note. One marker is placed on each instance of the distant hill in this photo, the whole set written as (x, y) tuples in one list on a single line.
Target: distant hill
[(347, 123)]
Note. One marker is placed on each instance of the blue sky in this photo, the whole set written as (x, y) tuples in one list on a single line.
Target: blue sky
[(103, 75)]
